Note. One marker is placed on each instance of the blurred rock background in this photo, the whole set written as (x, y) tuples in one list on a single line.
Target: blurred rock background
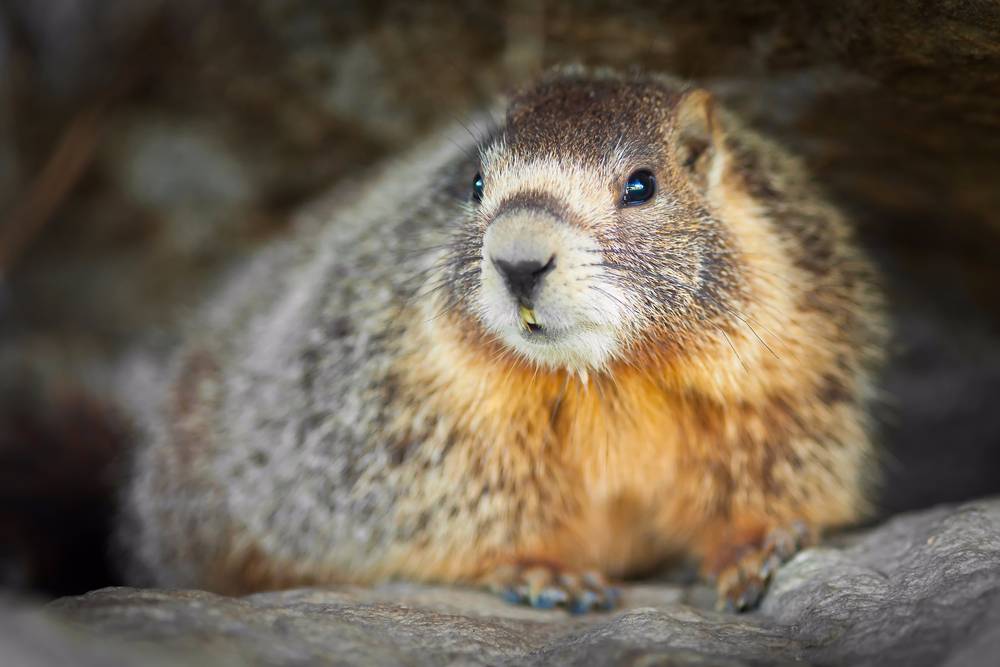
[(147, 145)]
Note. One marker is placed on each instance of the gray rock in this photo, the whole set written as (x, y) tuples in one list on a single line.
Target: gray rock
[(921, 589)]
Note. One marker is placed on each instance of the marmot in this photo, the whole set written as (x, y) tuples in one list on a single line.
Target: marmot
[(619, 327)]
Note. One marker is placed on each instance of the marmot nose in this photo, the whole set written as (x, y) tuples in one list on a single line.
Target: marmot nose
[(522, 278)]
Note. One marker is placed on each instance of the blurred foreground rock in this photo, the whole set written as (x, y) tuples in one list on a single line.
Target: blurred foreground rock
[(922, 589)]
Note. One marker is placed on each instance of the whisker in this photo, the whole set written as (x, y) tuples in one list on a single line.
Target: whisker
[(699, 295), (733, 347)]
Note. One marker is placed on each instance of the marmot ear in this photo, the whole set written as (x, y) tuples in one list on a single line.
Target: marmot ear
[(697, 135)]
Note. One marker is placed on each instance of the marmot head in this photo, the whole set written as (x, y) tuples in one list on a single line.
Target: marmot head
[(591, 224)]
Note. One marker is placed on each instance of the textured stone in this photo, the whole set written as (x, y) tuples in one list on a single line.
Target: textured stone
[(922, 589)]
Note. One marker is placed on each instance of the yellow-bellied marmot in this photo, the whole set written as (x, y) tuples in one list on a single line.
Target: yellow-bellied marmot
[(620, 326)]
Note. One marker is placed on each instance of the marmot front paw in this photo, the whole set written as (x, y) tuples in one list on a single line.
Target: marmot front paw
[(547, 586), (742, 579)]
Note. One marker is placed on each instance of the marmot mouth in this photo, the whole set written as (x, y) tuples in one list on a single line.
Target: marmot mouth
[(537, 334), (528, 320)]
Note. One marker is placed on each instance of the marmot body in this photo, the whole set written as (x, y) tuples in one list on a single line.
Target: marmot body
[(639, 332)]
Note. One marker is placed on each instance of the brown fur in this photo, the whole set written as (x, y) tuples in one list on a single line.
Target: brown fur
[(735, 407)]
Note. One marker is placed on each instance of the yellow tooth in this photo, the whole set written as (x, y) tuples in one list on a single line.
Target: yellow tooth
[(527, 316)]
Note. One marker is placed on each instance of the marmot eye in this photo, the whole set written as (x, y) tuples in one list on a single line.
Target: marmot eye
[(477, 187), (639, 188)]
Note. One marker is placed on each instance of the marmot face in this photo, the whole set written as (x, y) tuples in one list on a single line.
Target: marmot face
[(592, 222)]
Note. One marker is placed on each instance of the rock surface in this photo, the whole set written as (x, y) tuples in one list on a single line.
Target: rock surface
[(921, 589)]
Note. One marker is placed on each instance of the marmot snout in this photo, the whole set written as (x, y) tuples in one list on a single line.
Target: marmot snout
[(622, 327)]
